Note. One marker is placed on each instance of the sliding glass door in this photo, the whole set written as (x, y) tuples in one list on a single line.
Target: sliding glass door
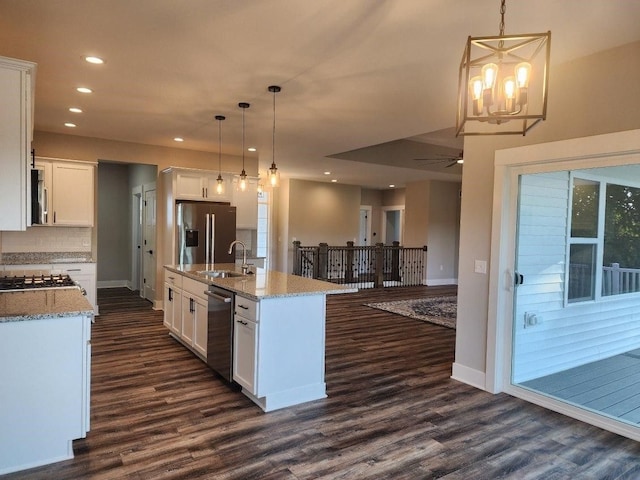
[(575, 333)]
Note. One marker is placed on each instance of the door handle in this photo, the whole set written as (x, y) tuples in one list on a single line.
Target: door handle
[(150, 252), (519, 279)]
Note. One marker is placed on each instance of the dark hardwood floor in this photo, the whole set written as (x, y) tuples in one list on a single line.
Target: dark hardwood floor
[(392, 411)]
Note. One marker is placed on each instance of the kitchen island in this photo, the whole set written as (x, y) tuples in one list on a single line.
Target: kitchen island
[(45, 354), (278, 328)]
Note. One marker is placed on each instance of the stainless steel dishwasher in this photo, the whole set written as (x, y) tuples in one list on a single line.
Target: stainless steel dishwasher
[(220, 331)]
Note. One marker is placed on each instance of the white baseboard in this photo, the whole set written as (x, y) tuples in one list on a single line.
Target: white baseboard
[(432, 282), (113, 284), (468, 375)]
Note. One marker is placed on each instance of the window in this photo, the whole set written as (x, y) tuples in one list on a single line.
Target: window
[(604, 240)]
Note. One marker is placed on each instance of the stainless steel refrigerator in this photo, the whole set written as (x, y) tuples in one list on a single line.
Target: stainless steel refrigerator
[(204, 231)]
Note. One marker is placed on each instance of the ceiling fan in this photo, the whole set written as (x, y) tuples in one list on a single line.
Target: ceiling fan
[(450, 160)]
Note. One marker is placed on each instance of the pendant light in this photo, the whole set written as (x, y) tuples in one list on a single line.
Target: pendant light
[(220, 180), (502, 84), (273, 175), (242, 184)]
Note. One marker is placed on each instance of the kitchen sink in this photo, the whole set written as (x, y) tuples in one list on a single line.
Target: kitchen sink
[(221, 273)]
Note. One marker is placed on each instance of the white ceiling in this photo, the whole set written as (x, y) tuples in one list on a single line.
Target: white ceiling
[(354, 73)]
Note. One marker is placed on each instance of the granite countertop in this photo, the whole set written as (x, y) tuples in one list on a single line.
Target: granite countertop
[(39, 258), (262, 283), (42, 304)]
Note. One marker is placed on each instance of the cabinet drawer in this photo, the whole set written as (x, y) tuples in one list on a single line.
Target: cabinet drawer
[(246, 308), (172, 278), (195, 288)]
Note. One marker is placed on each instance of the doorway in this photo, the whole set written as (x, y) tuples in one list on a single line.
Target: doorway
[(392, 224), (563, 340), (121, 188)]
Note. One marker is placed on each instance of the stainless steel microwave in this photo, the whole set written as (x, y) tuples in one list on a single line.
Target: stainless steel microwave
[(39, 207)]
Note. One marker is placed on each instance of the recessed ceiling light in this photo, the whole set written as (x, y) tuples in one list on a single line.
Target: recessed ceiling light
[(252, 149), (334, 181), (392, 186), (178, 139), (327, 173), (94, 60), (84, 90), (75, 110), (70, 125)]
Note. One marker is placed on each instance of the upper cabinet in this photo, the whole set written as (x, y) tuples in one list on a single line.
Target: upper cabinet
[(17, 82), (193, 184), (67, 195), (246, 204), (200, 185)]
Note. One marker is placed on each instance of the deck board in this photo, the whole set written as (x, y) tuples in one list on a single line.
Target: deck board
[(610, 385)]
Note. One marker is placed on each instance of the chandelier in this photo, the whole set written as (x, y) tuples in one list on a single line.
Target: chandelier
[(502, 83)]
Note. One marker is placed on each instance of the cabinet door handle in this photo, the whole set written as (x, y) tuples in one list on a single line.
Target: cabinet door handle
[(171, 294), (242, 323), (203, 194), (191, 307), (54, 217), (243, 307)]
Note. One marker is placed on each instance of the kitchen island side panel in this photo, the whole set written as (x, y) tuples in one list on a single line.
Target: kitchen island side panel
[(44, 378)]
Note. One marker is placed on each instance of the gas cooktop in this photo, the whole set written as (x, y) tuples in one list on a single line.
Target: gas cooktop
[(28, 282)]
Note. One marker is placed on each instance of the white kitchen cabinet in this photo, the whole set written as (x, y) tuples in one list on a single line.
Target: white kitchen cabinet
[(72, 194), (279, 349), (69, 189), (200, 330), (83, 273), (245, 343), (246, 204), (173, 302), (193, 316), (17, 82), (200, 185)]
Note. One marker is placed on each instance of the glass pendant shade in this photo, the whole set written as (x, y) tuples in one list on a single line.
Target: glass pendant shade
[(242, 184), (220, 185)]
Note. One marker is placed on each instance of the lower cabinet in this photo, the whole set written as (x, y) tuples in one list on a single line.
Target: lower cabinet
[(278, 356), (185, 311), (83, 273), (173, 302), (245, 348)]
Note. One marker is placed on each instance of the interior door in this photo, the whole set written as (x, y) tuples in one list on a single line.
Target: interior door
[(365, 226), (149, 241)]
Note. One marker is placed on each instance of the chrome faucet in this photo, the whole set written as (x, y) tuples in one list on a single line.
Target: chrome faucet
[(245, 266)]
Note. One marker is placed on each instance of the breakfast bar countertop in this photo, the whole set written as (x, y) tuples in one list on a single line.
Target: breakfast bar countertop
[(39, 304), (261, 284)]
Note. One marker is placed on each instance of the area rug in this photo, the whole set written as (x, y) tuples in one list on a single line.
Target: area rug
[(438, 310)]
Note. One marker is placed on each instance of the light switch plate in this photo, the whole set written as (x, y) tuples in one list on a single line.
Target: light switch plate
[(480, 266)]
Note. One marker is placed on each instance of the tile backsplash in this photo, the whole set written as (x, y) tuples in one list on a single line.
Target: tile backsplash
[(47, 239)]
